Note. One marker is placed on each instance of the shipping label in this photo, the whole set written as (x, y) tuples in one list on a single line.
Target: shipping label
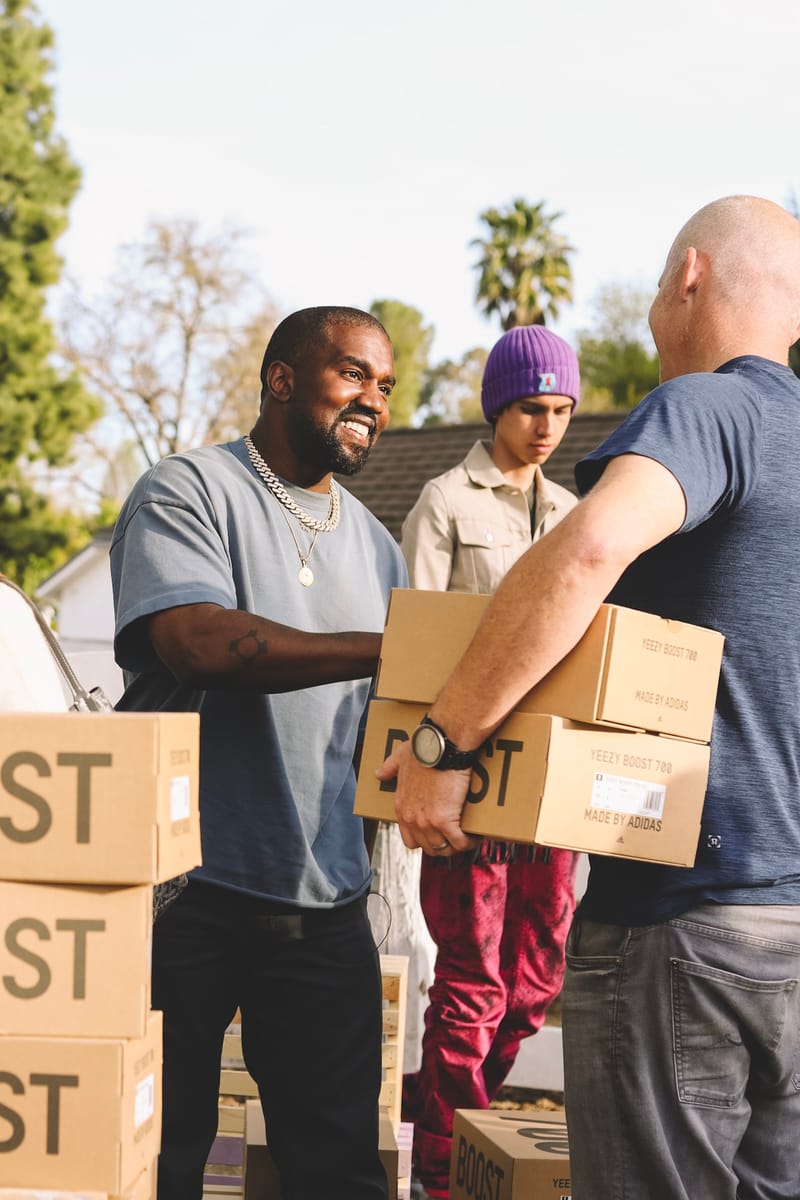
[(634, 797), (144, 1100), (179, 798)]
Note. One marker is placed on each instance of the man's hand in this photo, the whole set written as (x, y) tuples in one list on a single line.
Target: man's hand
[(428, 803)]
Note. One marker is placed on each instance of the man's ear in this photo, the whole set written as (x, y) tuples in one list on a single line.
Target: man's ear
[(279, 381), (694, 266)]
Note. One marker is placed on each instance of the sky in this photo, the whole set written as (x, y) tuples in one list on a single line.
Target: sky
[(358, 141)]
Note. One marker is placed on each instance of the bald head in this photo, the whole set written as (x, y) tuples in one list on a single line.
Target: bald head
[(731, 286), (752, 245)]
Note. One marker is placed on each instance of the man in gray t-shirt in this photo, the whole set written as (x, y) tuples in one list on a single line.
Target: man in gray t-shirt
[(239, 573)]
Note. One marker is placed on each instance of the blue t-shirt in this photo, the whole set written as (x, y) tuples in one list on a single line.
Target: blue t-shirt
[(276, 771), (732, 440)]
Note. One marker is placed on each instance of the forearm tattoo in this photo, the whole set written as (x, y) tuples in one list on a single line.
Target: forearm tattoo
[(249, 647)]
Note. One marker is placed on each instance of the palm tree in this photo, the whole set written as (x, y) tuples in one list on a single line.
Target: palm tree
[(525, 274)]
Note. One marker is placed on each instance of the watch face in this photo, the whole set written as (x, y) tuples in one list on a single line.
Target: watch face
[(427, 745)]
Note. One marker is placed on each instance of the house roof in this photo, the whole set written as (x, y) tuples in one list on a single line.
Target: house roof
[(405, 459)]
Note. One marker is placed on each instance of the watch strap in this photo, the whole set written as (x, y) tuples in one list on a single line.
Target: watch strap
[(453, 758)]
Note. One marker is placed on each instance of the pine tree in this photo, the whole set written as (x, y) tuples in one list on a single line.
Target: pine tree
[(40, 407)]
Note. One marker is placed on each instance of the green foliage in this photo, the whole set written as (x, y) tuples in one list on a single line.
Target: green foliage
[(618, 360), (451, 394), (34, 537), (41, 408), (411, 340), (625, 373), (525, 273)]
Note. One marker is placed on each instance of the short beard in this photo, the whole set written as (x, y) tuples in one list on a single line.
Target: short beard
[(322, 448), (346, 462)]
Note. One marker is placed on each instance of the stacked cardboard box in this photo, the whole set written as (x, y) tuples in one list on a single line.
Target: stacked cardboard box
[(240, 1161), (394, 982), (395, 1141), (223, 1177), (513, 1155), (143, 1189), (405, 1142), (608, 754), (94, 809)]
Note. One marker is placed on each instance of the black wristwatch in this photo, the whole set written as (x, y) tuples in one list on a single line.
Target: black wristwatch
[(433, 748)]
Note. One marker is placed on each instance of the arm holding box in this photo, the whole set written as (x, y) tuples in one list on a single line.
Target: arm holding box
[(539, 612)]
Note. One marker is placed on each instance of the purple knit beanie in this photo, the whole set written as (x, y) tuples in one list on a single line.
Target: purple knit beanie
[(529, 360)]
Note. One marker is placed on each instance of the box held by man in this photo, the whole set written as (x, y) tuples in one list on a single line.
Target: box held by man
[(548, 780), (630, 668)]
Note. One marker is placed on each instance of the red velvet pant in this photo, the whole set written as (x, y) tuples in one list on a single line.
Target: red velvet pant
[(500, 930)]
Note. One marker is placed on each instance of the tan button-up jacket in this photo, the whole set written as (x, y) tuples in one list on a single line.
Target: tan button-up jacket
[(469, 525)]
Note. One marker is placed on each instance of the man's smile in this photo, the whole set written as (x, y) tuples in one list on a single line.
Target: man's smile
[(360, 425)]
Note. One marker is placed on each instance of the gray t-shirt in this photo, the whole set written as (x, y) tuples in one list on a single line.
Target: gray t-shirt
[(276, 774)]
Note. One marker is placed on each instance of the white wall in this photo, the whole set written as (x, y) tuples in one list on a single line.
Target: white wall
[(86, 608)]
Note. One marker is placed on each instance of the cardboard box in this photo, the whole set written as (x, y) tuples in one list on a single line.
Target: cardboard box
[(143, 1189), (389, 1154), (145, 1186), (261, 1179), (75, 959), (225, 1164), (81, 1113), (98, 797), (230, 1115), (405, 1144), (394, 998), (548, 780), (509, 1156), (232, 1054), (237, 1082), (630, 668)]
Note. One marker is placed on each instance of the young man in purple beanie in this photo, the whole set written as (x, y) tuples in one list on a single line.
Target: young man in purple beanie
[(499, 915)]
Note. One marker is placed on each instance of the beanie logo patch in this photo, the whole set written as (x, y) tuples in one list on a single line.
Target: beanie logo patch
[(547, 381)]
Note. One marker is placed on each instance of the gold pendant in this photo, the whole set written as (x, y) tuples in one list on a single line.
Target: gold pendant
[(305, 575)]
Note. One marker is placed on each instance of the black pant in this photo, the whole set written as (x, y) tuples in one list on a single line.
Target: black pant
[(308, 987)]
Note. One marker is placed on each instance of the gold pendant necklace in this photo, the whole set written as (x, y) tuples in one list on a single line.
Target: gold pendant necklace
[(305, 574)]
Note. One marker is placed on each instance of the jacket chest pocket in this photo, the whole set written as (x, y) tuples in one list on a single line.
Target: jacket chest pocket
[(484, 553)]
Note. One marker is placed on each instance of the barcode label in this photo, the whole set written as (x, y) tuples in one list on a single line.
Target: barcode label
[(654, 800), (621, 794), (144, 1100), (179, 798)]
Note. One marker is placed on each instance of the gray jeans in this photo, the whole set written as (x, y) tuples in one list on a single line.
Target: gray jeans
[(682, 1056)]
